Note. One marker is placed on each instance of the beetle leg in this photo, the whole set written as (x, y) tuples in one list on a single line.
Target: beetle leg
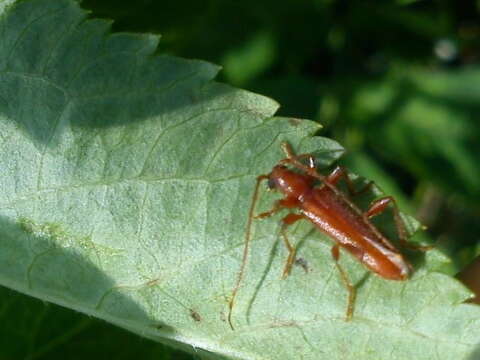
[(310, 157), (291, 156), (287, 221), (346, 281), (288, 203), (310, 170), (292, 159), (287, 149), (296, 160), (378, 206), (340, 172)]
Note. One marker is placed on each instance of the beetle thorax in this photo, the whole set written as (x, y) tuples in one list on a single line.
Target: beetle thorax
[(290, 183)]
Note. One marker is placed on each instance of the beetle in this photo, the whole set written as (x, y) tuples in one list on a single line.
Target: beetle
[(332, 212)]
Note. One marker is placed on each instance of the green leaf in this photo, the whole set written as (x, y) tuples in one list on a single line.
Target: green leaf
[(126, 180)]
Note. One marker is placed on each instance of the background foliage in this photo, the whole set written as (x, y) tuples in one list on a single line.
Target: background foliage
[(396, 82)]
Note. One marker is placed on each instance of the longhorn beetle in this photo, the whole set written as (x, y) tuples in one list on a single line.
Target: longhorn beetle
[(332, 212)]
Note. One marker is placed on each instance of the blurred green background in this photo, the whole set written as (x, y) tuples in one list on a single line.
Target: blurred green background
[(396, 82)]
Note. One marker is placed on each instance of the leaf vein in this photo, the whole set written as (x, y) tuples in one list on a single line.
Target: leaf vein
[(26, 28)]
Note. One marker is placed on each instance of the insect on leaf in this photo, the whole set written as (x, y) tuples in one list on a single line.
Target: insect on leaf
[(126, 179)]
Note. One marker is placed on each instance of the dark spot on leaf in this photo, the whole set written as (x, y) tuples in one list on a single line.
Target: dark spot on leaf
[(153, 282), (222, 316), (294, 121), (303, 263), (194, 315)]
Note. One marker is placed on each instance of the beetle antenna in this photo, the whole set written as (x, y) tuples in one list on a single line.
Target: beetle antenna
[(245, 249)]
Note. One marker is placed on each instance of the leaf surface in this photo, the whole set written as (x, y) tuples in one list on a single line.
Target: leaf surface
[(126, 179)]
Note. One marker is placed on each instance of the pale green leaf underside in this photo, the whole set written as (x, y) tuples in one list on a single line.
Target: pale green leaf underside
[(125, 182)]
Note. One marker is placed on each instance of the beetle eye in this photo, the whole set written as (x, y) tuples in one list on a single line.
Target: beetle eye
[(271, 184)]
